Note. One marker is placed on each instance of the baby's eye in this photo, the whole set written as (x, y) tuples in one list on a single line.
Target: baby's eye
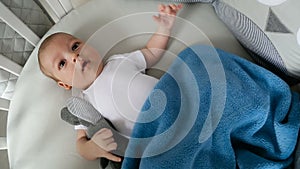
[(75, 46), (61, 64)]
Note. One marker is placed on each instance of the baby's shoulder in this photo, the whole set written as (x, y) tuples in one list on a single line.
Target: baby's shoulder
[(115, 57)]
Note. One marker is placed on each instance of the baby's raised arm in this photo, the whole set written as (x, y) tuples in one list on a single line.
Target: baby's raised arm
[(159, 40)]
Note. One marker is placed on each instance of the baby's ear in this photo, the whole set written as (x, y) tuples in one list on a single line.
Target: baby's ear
[(63, 85)]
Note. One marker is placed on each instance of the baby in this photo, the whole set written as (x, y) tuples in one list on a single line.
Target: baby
[(117, 87)]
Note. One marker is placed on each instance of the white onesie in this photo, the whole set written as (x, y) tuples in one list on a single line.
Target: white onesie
[(121, 89)]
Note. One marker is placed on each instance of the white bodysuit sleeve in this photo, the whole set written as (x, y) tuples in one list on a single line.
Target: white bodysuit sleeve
[(80, 127)]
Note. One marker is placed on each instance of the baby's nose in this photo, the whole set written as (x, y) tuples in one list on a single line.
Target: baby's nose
[(74, 59)]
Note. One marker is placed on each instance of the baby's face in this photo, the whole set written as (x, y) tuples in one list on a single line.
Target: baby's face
[(73, 63)]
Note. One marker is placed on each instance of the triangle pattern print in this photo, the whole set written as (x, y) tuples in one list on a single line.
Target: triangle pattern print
[(275, 25)]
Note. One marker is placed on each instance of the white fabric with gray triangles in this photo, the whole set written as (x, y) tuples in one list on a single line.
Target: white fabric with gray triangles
[(270, 29)]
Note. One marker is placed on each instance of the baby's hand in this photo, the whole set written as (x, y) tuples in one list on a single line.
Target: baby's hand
[(166, 16), (104, 139)]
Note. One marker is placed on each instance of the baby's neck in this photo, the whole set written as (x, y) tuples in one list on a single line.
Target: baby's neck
[(100, 69)]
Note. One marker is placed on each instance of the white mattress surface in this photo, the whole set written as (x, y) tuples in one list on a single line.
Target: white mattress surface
[(37, 137)]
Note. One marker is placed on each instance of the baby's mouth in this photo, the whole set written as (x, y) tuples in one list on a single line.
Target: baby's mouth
[(85, 62)]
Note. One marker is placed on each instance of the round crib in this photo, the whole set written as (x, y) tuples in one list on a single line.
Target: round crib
[(36, 135)]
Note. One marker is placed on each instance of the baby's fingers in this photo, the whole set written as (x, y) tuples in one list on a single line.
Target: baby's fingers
[(170, 9), (111, 146), (104, 133), (175, 8), (161, 7), (104, 139), (112, 157), (156, 18), (108, 144)]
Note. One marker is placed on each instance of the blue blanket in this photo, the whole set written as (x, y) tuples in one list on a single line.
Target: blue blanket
[(213, 109)]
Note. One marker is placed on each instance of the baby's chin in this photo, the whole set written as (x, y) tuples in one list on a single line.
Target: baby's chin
[(83, 82)]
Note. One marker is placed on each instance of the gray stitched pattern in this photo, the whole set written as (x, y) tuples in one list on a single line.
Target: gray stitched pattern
[(7, 84), (79, 108), (17, 49), (14, 46), (31, 14)]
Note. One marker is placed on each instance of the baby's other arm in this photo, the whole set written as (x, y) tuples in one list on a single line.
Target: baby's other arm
[(159, 40), (90, 150)]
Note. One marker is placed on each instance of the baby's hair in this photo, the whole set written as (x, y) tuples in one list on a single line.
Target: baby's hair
[(42, 47)]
